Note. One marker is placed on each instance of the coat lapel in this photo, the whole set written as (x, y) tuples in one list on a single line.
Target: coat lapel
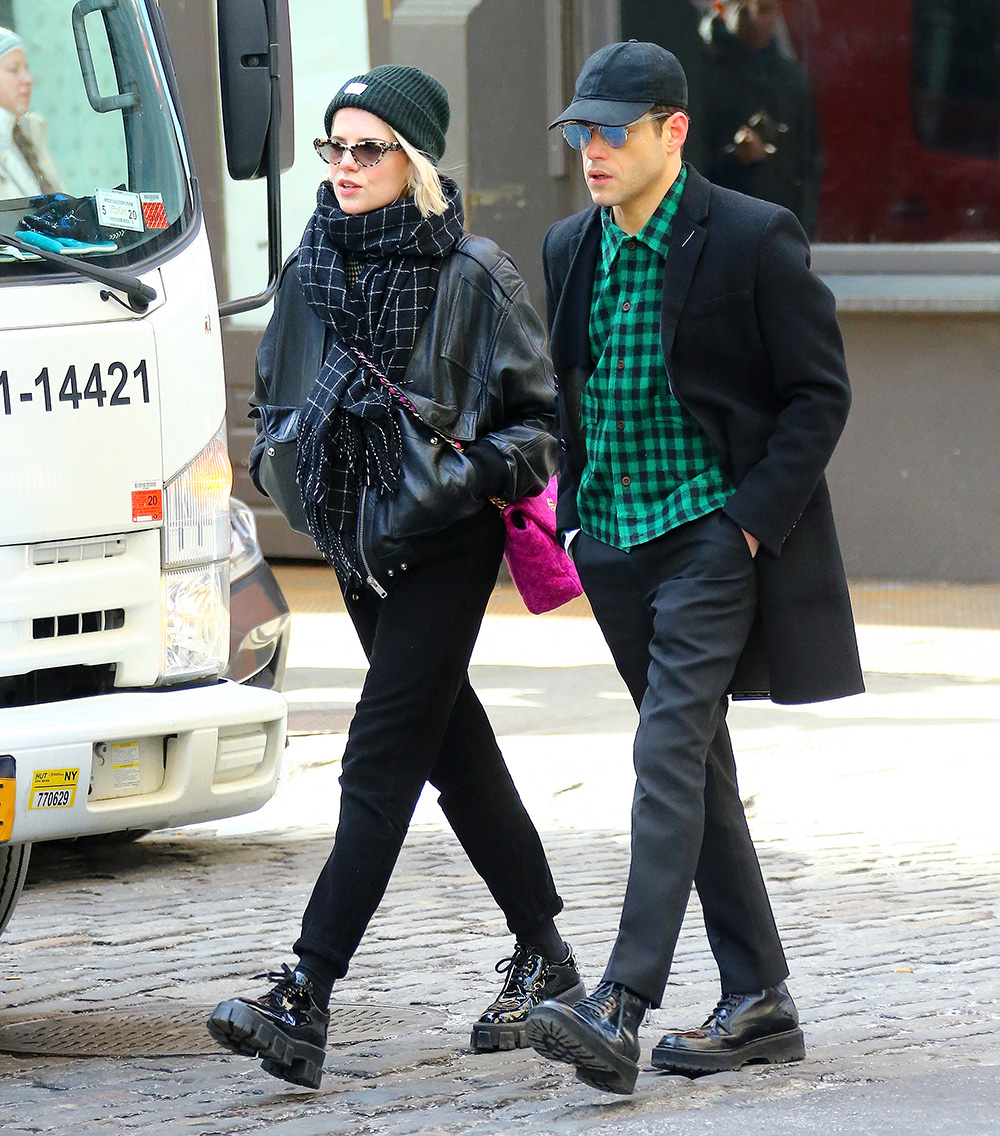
[(571, 325), (570, 339), (686, 241)]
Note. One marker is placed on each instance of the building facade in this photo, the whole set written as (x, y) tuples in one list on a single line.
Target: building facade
[(884, 123)]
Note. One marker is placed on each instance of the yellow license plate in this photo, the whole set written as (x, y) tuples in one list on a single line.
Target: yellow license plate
[(53, 788)]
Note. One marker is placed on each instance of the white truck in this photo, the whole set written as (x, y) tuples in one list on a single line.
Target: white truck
[(114, 472)]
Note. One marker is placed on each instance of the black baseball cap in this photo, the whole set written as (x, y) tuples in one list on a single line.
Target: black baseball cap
[(622, 81)]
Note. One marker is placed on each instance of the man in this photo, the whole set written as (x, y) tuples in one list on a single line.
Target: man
[(702, 389), (757, 120)]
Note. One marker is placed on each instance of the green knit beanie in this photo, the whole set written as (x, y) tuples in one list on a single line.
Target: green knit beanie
[(412, 102)]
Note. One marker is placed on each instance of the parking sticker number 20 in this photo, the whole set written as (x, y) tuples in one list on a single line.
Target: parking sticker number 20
[(94, 390)]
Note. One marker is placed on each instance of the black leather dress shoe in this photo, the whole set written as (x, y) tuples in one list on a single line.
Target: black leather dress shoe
[(285, 1027), (530, 979), (597, 1035), (741, 1030)]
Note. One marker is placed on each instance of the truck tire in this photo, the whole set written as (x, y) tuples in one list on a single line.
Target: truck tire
[(13, 869)]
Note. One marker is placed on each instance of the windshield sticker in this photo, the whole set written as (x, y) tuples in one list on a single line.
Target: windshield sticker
[(118, 209), (153, 212)]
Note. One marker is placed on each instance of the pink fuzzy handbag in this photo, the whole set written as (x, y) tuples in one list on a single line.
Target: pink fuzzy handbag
[(539, 565)]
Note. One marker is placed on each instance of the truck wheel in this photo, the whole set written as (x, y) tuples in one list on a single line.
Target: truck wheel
[(13, 869)]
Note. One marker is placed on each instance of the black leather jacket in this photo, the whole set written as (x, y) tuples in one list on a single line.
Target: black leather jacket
[(479, 376)]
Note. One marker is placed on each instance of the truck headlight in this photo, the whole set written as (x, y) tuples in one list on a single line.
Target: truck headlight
[(195, 542), (196, 508), (196, 621)]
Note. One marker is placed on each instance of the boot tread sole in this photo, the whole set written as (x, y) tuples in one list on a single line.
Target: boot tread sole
[(560, 1037), (492, 1037), (772, 1049), (240, 1028)]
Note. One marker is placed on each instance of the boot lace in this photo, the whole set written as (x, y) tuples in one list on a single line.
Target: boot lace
[(289, 992), (605, 999), (283, 977), (517, 970), (722, 1011)]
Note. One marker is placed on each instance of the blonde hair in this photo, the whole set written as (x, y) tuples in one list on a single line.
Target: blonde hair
[(424, 182)]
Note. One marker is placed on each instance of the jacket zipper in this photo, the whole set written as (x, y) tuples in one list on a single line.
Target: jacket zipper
[(372, 583)]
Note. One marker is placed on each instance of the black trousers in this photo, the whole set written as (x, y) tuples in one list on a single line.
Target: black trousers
[(419, 720), (676, 613)]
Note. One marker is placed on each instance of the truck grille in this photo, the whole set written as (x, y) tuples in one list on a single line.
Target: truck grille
[(87, 622), (69, 552), (90, 602)]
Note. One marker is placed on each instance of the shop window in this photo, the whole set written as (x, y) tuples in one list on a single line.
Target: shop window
[(882, 116), (956, 76)]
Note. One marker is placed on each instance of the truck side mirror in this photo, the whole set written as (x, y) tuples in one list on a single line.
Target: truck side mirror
[(247, 29)]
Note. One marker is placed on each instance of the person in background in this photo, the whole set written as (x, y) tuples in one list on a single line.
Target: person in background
[(427, 398), (757, 124), (702, 389), (26, 166)]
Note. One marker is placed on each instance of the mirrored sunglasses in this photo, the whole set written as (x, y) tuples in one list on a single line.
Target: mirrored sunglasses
[(367, 153), (579, 134)]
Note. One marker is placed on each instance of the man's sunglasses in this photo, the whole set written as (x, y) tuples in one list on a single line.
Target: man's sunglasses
[(367, 153), (579, 134)]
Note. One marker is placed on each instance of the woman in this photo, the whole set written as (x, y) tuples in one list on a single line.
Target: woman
[(426, 392), (26, 166)]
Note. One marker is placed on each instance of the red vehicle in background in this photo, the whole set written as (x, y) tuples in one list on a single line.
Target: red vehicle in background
[(907, 96)]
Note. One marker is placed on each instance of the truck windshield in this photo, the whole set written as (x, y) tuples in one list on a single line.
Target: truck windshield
[(91, 161)]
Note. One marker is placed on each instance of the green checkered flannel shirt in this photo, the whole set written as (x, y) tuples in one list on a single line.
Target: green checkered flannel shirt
[(650, 467)]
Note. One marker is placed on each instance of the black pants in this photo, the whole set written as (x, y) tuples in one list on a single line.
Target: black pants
[(676, 613), (419, 720)]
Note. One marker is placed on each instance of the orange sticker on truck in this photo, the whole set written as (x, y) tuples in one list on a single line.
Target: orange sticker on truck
[(147, 502)]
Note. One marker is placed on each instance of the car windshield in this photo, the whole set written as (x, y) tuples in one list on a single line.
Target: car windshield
[(91, 160)]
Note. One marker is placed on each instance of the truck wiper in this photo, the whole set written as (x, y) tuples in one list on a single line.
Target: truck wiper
[(139, 295)]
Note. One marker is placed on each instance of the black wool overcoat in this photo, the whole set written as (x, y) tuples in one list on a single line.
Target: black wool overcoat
[(753, 351)]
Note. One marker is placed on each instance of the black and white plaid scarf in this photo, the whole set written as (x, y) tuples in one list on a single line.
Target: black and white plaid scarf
[(348, 437)]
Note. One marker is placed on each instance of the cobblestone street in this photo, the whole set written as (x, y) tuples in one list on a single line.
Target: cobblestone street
[(875, 819)]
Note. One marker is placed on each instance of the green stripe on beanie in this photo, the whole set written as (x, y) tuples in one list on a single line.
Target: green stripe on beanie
[(412, 102)]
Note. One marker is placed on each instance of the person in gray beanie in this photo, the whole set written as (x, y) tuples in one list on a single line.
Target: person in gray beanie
[(403, 392), (26, 166)]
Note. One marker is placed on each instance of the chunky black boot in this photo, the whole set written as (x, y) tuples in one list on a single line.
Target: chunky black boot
[(285, 1027), (598, 1035), (741, 1030), (530, 979)]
